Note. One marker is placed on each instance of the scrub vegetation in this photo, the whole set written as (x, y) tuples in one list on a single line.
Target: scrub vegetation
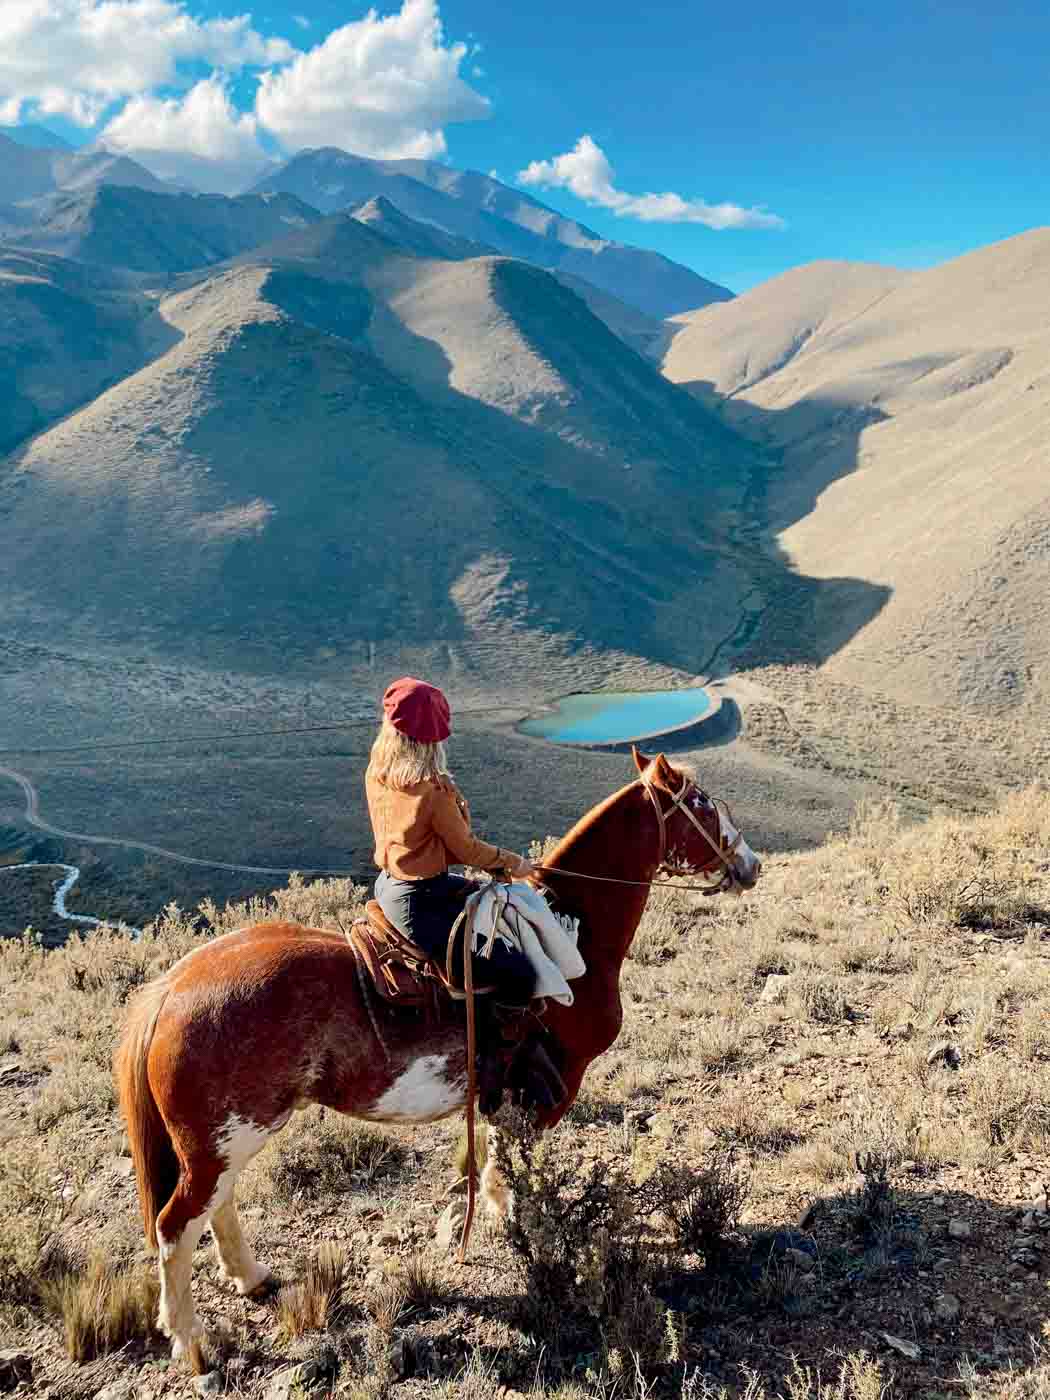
[(814, 1166)]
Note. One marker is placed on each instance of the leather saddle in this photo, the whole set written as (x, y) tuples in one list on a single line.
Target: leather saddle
[(403, 975)]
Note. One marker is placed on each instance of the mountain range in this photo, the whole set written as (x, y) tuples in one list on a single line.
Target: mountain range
[(468, 453), (256, 428)]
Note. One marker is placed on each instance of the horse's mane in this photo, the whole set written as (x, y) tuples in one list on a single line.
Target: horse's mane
[(595, 814)]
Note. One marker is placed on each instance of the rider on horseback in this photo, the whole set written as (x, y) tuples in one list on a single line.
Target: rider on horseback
[(421, 824)]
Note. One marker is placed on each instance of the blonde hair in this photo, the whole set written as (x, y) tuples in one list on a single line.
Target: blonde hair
[(401, 762)]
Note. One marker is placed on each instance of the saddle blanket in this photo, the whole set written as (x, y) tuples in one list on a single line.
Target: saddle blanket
[(522, 918)]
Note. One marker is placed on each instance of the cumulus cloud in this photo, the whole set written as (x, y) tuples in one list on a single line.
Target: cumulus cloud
[(76, 58), (154, 80), (377, 86), (585, 171), (199, 139)]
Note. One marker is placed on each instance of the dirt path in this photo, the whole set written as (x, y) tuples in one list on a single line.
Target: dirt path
[(33, 818)]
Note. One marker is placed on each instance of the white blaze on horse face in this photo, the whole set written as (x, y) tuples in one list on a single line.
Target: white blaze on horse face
[(422, 1094), (746, 865)]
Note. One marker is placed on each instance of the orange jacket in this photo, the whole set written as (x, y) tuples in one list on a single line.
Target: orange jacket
[(420, 831)]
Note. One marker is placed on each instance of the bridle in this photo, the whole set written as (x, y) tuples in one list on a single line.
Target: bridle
[(723, 849)]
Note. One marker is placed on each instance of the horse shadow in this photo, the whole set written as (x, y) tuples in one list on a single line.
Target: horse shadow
[(932, 1284)]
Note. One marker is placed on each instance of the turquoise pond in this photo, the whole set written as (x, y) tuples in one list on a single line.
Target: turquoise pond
[(616, 717)]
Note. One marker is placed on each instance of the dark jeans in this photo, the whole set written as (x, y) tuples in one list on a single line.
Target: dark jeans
[(425, 910)]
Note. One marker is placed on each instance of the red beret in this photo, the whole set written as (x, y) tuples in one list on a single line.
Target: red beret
[(417, 710)]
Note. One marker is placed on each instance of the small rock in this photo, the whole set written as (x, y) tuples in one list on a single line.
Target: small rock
[(208, 1384), (663, 1124), (947, 1307), (946, 1053), (388, 1237), (16, 1368), (1023, 1241), (908, 1349), (959, 1229), (123, 1166), (450, 1225), (776, 988), (116, 1390), (903, 1030), (1028, 1220)]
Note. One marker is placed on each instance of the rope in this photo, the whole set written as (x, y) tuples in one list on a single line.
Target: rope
[(472, 1085), (612, 880)]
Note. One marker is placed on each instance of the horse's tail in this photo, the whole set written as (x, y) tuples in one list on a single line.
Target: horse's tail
[(156, 1166)]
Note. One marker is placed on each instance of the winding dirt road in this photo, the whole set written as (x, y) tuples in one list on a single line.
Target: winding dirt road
[(33, 818)]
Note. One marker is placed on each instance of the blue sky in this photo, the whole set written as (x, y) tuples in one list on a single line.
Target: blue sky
[(903, 133)]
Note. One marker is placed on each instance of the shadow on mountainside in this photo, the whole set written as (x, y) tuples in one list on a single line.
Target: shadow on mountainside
[(328, 487), (808, 447)]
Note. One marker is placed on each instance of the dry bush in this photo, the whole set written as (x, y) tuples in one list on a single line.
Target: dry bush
[(744, 1119), (32, 1208), (814, 997), (322, 1153), (310, 1304), (101, 1308), (721, 1044), (576, 1233), (701, 1205)]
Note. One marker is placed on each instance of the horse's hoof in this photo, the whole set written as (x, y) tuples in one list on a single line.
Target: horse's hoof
[(265, 1288)]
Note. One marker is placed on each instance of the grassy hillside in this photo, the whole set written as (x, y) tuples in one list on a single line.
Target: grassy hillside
[(911, 413), (814, 1164)]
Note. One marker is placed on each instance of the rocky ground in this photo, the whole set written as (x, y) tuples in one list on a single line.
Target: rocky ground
[(814, 1164)]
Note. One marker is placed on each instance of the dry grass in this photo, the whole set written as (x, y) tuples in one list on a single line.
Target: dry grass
[(310, 1304), (895, 1085), (100, 1308)]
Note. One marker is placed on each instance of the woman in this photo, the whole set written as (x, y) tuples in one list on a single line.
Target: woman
[(421, 824)]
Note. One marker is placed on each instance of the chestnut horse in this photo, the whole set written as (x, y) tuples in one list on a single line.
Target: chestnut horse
[(221, 1048)]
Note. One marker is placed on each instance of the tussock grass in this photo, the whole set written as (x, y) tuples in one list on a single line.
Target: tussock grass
[(310, 1304), (100, 1308)]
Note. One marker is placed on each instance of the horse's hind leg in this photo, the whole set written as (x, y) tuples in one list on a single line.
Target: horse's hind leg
[(236, 1261), (179, 1227)]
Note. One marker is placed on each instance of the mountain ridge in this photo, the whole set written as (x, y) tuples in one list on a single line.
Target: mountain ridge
[(483, 210)]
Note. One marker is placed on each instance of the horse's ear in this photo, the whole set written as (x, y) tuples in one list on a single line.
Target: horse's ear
[(640, 760), (663, 768)]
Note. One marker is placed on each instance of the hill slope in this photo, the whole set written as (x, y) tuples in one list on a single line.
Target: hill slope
[(913, 421), (483, 210), (333, 413), (161, 234), (66, 334)]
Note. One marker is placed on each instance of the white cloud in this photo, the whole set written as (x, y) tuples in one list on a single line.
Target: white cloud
[(154, 78), (200, 139), (75, 58), (586, 172), (377, 86)]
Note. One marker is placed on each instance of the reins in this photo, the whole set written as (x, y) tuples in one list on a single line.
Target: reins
[(678, 801)]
